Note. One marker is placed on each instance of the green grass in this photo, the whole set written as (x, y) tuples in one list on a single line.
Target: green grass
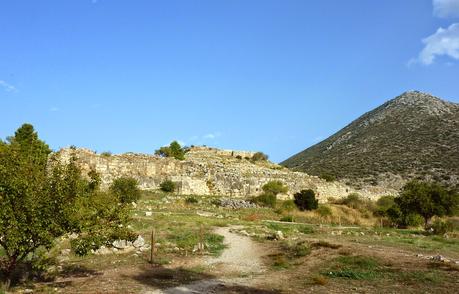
[(355, 268)]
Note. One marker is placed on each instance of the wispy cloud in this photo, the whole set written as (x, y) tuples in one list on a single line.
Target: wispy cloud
[(446, 8), (7, 87), (212, 136), (54, 109), (444, 42)]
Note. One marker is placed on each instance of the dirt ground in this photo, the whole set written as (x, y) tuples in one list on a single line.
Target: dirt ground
[(244, 267)]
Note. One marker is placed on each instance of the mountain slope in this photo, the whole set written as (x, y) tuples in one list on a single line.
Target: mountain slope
[(413, 135)]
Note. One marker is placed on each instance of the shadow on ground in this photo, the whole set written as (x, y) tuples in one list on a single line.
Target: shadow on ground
[(158, 277)]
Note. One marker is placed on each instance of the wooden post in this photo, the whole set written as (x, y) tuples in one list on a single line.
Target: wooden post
[(339, 220), (201, 239), (153, 247)]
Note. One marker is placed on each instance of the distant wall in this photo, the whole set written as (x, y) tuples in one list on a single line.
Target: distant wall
[(208, 171)]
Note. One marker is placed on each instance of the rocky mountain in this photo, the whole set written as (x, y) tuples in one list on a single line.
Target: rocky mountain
[(415, 135)]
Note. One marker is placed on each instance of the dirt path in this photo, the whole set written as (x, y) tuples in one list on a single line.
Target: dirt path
[(236, 266)]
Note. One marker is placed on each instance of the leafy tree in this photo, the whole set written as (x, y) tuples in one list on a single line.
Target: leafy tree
[(125, 189), (173, 150), (260, 156), (306, 200), (427, 200), (42, 199), (168, 186), (275, 188)]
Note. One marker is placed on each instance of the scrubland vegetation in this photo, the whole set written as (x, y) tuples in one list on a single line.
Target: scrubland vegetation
[(58, 228)]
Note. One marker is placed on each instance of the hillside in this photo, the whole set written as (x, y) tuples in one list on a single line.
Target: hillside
[(207, 171), (413, 135)]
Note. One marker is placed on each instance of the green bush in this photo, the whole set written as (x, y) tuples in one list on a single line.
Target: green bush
[(306, 200), (274, 187), (106, 154), (353, 200), (173, 150), (259, 156), (440, 227), (383, 204), (324, 210), (288, 205), (266, 199), (168, 186), (328, 177), (427, 200), (125, 189)]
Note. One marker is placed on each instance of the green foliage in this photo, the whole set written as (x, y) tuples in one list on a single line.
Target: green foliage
[(266, 199), (259, 156), (106, 154), (353, 200), (306, 200), (173, 150), (125, 189), (288, 205), (275, 188), (324, 210), (402, 220), (440, 227), (42, 199), (355, 268), (427, 200), (287, 218), (168, 186), (327, 177), (383, 204)]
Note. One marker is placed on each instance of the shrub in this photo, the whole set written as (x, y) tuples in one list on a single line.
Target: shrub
[(306, 200), (191, 200), (125, 189), (328, 177), (353, 200), (168, 186), (288, 205), (274, 187), (106, 154), (427, 200), (440, 227), (266, 199), (383, 204), (401, 220), (173, 150), (324, 210), (259, 156)]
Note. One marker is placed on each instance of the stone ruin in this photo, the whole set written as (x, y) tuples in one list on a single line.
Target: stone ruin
[(209, 171)]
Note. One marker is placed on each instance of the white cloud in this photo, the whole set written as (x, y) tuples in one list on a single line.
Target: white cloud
[(212, 136), (445, 42), (446, 8), (7, 87), (54, 109)]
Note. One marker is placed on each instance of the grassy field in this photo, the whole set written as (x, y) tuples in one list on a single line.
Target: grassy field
[(343, 252)]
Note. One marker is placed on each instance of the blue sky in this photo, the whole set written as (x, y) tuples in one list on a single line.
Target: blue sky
[(276, 76)]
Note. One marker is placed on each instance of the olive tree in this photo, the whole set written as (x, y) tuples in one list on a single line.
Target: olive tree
[(42, 199)]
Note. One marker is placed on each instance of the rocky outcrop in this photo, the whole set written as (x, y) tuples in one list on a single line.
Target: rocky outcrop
[(208, 171)]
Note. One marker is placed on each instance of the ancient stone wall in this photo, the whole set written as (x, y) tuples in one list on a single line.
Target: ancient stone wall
[(208, 171)]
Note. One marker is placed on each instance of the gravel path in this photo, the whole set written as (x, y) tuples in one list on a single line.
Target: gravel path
[(242, 256)]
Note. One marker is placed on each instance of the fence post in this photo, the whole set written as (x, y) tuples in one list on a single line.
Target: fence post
[(153, 242)]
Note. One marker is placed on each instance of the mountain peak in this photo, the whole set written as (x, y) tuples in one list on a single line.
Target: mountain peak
[(412, 135)]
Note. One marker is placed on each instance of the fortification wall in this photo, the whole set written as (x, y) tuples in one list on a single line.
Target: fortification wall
[(208, 171)]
